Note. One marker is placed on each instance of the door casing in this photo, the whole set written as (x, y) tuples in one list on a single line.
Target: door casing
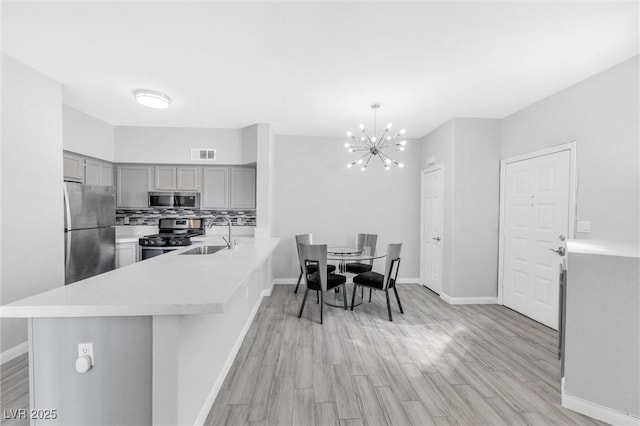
[(571, 147), (433, 168)]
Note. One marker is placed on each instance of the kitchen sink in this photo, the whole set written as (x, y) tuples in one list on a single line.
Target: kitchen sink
[(204, 250)]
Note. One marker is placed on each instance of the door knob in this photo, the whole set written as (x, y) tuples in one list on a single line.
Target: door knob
[(561, 251), (436, 238), (562, 237)]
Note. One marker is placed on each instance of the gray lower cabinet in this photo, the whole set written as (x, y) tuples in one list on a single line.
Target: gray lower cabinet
[(243, 188), (133, 183), (73, 167), (215, 188), (126, 253)]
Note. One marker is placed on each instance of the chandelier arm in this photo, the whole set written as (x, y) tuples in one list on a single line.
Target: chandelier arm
[(368, 159), (388, 143), (382, 161), (371, 144), (364, 155), (381, 140), (386, 156)]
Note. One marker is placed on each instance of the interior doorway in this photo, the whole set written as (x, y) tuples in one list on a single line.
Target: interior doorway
[(431, 235), (537, 214)]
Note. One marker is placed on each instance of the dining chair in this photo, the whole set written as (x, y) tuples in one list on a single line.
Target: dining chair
[(307, 239), (314, 258), (366, 243), (375, 281)]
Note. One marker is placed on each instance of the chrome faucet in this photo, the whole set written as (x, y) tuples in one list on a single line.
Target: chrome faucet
[(228, 219)]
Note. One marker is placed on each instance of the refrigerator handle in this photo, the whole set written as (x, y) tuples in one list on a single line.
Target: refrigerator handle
[(67, 252), (67, 209)]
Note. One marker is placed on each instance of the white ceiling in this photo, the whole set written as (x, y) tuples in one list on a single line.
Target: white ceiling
[(314, 68)]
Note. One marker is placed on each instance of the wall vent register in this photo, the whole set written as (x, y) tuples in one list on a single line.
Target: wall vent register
[(203, 154)]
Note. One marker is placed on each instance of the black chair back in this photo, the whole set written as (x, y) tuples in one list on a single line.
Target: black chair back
[(315, 254), (392, 265)]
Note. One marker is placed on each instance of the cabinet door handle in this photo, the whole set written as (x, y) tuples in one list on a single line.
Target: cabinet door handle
[(436, 238)]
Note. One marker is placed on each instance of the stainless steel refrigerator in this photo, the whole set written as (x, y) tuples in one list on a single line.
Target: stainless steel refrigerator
[(89, 232)]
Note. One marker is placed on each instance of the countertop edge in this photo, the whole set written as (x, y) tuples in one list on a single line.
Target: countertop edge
[(140, 309), (604, 248)]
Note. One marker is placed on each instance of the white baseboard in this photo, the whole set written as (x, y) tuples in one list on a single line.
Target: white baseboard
[(293, 281), (596, 411), (14, 352), (287, 281), (469, 300), (408, 281), (208, 403)]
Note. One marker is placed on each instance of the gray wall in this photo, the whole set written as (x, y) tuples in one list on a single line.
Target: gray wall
[(115, 391), (439, 146), (469, 150), (314, 191), (601, 115), (31, 188), (86, 135), (477, 207), (603, 331), (174, 144)]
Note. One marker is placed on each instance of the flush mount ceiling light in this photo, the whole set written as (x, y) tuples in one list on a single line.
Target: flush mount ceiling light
[(374, 146), (152, 99)]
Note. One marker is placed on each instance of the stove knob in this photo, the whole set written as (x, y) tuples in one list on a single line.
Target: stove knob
[(151, 243), (172, 242)]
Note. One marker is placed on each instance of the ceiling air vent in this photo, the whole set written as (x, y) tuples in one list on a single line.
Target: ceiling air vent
[(203, 154)]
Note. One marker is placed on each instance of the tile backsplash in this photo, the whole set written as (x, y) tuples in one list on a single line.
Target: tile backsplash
[(151, 216)]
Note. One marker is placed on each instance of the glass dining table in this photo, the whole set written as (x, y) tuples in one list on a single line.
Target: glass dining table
[(342, 256)]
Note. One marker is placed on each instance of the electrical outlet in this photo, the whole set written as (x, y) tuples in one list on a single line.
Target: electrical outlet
[(86, 349), (584, 226)]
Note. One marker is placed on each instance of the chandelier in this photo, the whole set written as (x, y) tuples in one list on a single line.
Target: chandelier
[(374, 146)]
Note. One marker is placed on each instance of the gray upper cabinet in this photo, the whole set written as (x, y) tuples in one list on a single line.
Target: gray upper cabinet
[(164, 178), (88, 170), (188, 178), (243, 188), (106, 174), (133, 183), (215, 188), (171, 178), (92, 172), (98, 172), (73, 166)]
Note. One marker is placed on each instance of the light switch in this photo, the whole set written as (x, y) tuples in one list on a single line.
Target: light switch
[(584, 226)]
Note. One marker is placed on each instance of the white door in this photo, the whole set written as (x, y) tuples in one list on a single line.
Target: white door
[(535, 221), (431, 238)]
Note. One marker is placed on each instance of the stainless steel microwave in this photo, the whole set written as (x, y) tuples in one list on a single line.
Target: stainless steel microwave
[(189, 200)]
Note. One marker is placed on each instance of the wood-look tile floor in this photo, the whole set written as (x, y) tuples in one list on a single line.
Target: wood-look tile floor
[(14, 389), (437, 364)]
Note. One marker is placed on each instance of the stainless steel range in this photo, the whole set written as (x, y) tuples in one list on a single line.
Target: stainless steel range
[(174, 233)]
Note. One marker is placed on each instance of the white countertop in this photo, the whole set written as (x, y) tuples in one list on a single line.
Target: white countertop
[(171, 284), (604, 248)]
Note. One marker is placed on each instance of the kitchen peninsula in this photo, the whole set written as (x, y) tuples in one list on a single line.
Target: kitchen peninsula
[(164, 334)]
